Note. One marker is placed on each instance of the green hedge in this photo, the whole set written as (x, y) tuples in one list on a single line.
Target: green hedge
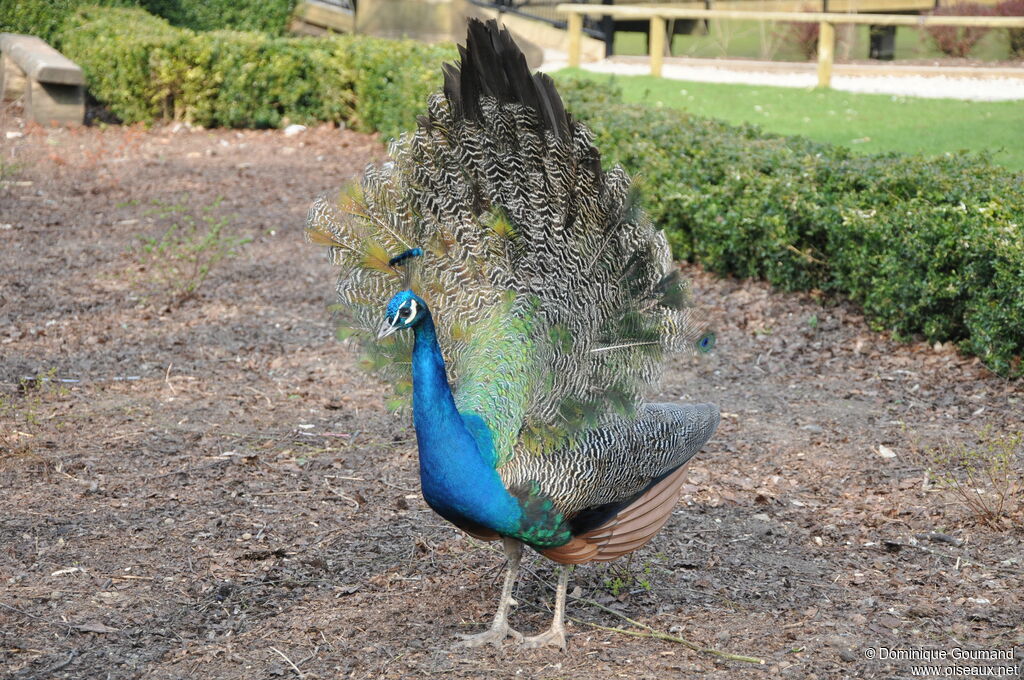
[(927, 245), (146, 70), (46, 18), (264, 16)]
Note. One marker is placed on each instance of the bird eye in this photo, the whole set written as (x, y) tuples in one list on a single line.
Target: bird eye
[(403, 313)]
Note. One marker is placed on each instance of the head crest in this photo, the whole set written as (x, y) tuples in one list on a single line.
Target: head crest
[(401, 259)]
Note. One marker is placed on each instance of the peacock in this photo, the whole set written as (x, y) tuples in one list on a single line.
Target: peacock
[(528, 304)]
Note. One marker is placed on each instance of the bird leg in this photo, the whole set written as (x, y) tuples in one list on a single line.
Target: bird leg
[(500, 629), (555, 635)]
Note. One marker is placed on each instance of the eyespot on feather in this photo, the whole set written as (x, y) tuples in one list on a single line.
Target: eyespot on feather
[(706, 342)]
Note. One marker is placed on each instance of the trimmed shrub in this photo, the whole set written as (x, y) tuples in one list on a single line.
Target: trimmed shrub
[(958, 41), (265, 16), (251, 80), (46, 18), (927, 245), (130, 76), (914, 247), (803, 34), (1013, 8), (146, 70), (393, 79)]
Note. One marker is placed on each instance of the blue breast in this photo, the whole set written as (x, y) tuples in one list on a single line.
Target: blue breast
[(456, 452)]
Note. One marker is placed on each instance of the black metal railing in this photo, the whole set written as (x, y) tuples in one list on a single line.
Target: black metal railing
[(350, 5)]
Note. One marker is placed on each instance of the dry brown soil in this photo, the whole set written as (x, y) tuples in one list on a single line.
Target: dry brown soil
[(221, 493)]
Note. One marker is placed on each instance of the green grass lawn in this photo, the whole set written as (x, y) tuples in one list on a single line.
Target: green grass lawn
[(866, 123), (771, 40)]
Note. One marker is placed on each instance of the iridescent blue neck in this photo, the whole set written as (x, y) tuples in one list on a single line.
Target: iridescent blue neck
[(458, 483), (434, 412)]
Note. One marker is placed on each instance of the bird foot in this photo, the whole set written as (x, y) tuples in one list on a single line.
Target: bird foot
[(553, 637), (495, 636)]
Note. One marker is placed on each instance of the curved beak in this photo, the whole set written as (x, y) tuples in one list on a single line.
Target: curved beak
[(386, 329)]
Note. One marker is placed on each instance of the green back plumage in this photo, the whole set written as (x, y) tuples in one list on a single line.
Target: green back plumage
[(498, 376)]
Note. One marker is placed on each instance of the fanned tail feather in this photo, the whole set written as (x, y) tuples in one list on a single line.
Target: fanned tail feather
[(540, 268)]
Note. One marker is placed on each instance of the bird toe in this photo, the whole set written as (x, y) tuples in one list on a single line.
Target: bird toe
[(494, 636), (553, 637)]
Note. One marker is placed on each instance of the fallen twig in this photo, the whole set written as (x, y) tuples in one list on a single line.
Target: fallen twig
[(167, 378), (61, 665), (75, 381), (294, 667), (936, 537), (340, 495), (37, 618), (19, 611), (249, 387), (326, 434), (657, 634), (189, 469), (281, 493)]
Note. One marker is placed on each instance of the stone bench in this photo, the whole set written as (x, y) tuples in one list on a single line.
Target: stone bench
[(53, 86)]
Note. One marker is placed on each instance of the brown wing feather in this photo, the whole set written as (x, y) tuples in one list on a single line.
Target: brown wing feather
[(635, 514), (576, 551), (634, 526)]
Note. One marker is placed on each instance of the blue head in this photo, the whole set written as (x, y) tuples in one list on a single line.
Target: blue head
[(405, 310)]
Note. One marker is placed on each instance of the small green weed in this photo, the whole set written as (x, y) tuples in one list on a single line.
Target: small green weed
[(23, 421), (621, 579), (987, 479), (9, 168), (181, 259)]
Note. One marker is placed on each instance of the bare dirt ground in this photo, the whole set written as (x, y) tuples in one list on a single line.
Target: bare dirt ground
[(221, 493)]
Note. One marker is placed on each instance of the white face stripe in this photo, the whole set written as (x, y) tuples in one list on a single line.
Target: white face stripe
[(413, 309)]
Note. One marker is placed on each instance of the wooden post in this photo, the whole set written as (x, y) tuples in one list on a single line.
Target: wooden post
[(608, 29), (826, 52), (657, 45), (575, 33)]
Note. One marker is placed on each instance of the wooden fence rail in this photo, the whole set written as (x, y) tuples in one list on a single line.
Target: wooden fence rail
[(659, 14)]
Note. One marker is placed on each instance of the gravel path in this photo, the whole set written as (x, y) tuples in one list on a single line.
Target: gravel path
[(949, 83)]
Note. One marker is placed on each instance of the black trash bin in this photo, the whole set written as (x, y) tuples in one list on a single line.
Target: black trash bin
[(883, 43)]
